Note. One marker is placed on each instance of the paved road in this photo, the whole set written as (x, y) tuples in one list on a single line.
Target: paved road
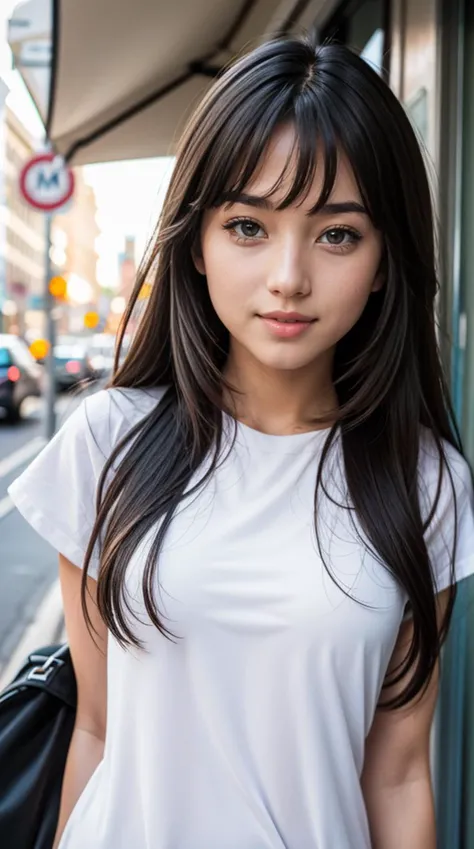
[(28, 565)]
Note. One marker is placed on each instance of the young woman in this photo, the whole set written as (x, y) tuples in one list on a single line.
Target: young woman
[(269, 503)]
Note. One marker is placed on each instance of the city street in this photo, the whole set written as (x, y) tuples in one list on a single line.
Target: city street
[(28, 565)]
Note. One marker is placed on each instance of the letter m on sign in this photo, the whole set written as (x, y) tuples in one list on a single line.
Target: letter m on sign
[(46, 181)]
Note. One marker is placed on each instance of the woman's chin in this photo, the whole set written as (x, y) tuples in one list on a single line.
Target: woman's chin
[(284, 360)]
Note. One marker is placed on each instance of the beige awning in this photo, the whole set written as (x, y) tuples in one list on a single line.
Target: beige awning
[(115, 79)]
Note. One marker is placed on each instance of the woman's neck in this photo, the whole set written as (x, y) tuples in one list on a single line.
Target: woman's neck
[(281, 401)]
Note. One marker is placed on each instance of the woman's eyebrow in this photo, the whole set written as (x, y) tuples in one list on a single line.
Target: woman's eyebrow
[(264, 203), (258, 201), (343, 206)]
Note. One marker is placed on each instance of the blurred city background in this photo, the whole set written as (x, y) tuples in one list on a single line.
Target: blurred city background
[(101, 88)]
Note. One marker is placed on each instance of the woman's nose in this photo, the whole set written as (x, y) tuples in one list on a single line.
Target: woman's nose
[(288, 275)]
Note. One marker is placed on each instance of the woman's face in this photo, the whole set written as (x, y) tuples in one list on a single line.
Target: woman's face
[(288, 285)]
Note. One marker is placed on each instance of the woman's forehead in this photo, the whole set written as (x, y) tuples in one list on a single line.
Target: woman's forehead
[(290, 171), (276, 172)]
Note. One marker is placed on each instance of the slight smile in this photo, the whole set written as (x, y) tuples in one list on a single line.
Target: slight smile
[(286, 325)]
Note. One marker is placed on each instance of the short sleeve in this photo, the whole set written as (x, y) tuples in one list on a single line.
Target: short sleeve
[(56, 494), (454, 515)]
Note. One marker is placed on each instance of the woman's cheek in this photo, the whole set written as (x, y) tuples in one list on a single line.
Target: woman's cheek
[(229, 299), (224, 291), (341, 302), (233, 281)]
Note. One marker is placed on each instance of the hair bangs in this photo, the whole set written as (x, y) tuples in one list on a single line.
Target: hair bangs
[(313, 147), (319, 142), (236, 155), (352, 124)]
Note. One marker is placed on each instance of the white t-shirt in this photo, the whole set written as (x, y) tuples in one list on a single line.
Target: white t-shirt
[(247, 732)]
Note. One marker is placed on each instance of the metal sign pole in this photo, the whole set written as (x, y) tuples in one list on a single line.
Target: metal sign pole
[(47, 184), (49, 306)]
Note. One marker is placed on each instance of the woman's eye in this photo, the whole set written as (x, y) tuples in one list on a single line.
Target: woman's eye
[(341, 237), (245, 229)]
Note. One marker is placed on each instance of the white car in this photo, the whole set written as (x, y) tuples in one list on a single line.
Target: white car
[(102, 353)]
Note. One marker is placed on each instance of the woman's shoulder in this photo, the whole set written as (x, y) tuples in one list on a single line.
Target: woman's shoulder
[(110, 414)]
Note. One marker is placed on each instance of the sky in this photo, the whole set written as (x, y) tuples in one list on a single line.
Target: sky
[(129, 194)]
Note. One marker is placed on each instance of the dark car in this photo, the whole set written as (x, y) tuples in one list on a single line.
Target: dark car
[(20, 375), (72, 363)]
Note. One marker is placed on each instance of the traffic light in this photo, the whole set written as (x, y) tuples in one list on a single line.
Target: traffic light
[(39, 349), (91, 320), (58, 287)]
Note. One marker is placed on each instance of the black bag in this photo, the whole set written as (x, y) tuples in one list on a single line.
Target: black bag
[(37, 713)]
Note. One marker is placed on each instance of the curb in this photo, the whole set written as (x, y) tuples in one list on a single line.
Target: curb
[(46, 627)]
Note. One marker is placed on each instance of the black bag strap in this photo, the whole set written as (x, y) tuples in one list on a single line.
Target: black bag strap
[(49, 669)]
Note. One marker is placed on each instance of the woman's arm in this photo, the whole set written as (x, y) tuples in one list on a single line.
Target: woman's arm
[(396, 779), (90, 666)]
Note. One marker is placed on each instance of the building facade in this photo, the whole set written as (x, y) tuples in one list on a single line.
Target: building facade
[(425, 51), (127, 269), (23, 245), (74, 256), (22, 235)]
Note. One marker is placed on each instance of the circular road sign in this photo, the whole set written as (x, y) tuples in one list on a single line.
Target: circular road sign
[(46, 182)]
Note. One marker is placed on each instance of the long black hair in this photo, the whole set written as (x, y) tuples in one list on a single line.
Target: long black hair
[(387, 370)]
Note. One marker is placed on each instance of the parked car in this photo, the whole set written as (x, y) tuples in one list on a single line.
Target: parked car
[(20, 375), (71, 362)]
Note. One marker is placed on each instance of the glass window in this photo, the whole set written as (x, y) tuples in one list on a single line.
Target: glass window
[(361, 25)]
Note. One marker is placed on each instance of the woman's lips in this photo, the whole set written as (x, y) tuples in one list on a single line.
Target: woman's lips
[(286, 329)]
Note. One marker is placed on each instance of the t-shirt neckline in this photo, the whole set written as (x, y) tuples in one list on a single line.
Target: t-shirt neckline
[(270, 442)]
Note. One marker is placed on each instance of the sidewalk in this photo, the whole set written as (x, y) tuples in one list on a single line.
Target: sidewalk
[(47, 627)]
